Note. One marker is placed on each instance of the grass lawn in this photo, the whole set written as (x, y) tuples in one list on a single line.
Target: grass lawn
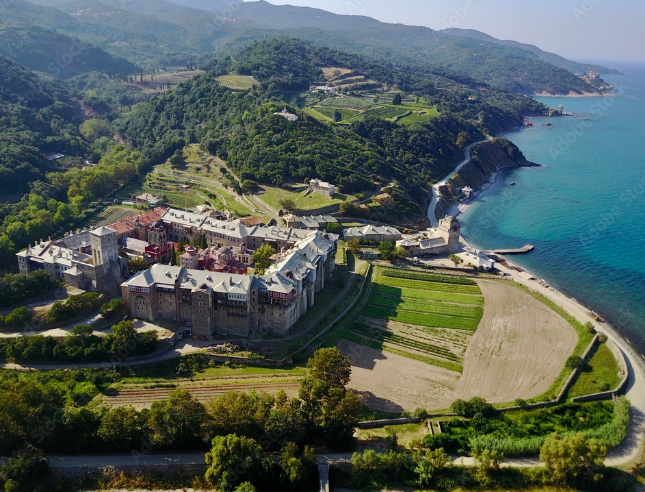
[(165, 371), (347, 102), (317, 114), (238, 82), (355, 109), (601, 373), (272, 196), (405, 434), (345, 113)]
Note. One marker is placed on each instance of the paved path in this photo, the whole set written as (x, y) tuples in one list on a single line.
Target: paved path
[(432, 208)]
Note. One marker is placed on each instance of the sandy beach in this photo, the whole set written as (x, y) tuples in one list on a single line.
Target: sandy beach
[(629, 452)]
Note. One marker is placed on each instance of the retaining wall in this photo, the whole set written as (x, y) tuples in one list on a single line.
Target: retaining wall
[(373, 424), (622, 386)]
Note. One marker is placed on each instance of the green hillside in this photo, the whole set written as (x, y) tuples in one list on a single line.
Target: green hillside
[(241, 128), (59, 55)]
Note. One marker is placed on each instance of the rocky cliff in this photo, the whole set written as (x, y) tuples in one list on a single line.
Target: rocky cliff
[(486, 159)]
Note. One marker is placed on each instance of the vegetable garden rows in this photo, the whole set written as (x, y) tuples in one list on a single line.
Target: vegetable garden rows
[(429, 306)]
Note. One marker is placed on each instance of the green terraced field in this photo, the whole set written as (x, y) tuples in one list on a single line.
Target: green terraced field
[(427, 277), (443, 308), (238, 82), (435, 316), (430, 320), (430, 295), (430, 286)]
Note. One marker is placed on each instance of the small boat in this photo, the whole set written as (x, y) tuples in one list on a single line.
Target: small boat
[(512, 183)]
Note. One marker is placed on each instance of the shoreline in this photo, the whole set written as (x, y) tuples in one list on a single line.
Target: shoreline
[(575, 94), (630, 451)]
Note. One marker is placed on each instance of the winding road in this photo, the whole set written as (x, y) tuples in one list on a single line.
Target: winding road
[(432, 208)]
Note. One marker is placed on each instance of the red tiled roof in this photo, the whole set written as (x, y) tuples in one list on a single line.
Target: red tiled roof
[(145, 219)]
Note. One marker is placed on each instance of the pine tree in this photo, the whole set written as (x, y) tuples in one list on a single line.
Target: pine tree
[(173, 256), (397, 101), (204, 244)]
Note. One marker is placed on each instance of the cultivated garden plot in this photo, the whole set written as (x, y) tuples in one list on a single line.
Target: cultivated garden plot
[(143, 397), (484, 338), (140, 392), (417, 321)]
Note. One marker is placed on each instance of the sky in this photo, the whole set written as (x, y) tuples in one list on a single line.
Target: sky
[(577, 29)]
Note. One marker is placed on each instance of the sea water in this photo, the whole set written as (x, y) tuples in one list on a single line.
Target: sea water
[(584, 210)]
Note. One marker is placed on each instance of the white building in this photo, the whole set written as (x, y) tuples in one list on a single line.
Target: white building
[(322, 187), (287, 115), (477, 259)]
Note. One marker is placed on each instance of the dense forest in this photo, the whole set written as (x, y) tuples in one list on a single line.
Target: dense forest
[(54, 53), (35, 118), (242, 129)]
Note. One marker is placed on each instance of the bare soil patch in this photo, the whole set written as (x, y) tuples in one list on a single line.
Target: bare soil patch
[(519, 348), (393, 383)]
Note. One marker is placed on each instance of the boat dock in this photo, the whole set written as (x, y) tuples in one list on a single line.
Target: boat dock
[(519, 251)]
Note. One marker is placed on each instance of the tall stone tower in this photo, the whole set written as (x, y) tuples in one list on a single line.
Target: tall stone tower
[(450, 230), (105, 246)]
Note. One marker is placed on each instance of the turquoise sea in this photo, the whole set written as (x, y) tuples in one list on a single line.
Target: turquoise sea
[(584, 210)]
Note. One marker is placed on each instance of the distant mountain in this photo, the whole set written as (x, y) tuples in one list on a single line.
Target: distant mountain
[(216, 6), (159, 33), (552, 58), (54, 53), (505, 67)]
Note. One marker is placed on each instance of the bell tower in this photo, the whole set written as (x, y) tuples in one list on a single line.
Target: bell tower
[(105, 247)]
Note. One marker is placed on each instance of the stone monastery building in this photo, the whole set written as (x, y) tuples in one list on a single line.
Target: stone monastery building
[(227, 303)]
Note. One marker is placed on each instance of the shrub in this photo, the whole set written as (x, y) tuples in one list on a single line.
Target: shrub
[(25, 472), (73, 306), (590, 327), (420, 412), (17, 318), (574, 362), (474, 406), (112, 309)]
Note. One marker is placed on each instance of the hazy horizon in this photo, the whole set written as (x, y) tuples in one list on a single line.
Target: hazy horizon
[(576, 29)]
